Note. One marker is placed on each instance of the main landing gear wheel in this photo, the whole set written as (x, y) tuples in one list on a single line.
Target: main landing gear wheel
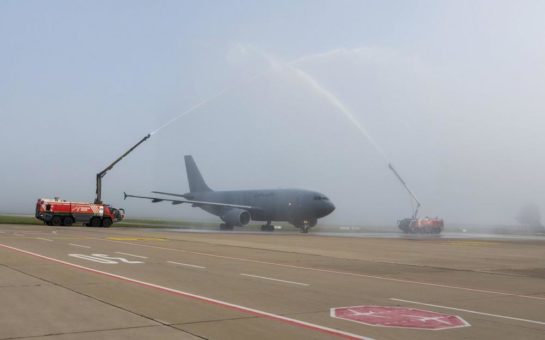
[(267, 227), (224, 226), (305, 228)]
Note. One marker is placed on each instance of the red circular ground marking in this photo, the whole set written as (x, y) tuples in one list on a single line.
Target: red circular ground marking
[(387, 316)]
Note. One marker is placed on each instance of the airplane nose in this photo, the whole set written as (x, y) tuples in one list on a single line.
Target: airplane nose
[(326, 209)]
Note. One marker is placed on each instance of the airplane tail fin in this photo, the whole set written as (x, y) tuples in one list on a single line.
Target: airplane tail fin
[(194, 177)]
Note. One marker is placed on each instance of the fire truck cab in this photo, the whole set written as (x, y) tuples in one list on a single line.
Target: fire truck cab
[(61, 212)]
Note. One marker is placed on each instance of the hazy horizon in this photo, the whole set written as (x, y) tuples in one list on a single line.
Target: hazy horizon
[(452, 92)]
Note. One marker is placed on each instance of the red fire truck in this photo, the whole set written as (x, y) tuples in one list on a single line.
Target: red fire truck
[(421, 225), (414, 224), (60, 212)]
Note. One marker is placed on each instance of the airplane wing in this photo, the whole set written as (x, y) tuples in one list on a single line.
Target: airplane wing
[(193, 202), (171, 194)]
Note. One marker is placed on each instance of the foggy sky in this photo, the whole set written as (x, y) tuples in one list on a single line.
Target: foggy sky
[(453, 92)]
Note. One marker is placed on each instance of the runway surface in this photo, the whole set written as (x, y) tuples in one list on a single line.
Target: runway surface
[(124, 283)]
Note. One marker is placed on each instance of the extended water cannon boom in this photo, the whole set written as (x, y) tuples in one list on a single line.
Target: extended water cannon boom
[(98, 199), (407, 188)]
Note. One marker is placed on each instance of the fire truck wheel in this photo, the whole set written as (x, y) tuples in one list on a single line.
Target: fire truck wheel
[(107, 222), (67, 221), (49, 223), (56, 220), (95, 222)]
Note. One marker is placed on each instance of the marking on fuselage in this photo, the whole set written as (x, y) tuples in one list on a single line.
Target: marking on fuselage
[(273, 279), (470, 311), (186, 265)]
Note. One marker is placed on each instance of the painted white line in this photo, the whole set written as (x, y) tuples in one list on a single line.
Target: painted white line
[(93, 258), (44, 239), (79, 245), (186, 265), (247, 310), (278, 280), (338, 272), (19, 235), (2, 232), (139, 256), (470, 311)]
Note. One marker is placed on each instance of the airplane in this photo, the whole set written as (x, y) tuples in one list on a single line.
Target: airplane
[(301, 208)]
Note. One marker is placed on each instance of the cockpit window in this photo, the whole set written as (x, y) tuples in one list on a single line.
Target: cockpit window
[(321, 198)]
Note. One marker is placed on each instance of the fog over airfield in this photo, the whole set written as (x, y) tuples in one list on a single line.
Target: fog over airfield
[(452, 91)]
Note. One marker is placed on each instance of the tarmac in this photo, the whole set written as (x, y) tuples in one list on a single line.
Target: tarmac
[(130, 283)]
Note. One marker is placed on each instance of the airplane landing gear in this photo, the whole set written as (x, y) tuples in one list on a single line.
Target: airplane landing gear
[(303, 227), (306, 225), (267, 227)]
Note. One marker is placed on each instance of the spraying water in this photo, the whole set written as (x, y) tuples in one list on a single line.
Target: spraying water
[(324, 93), (335, 101), (208, 100)]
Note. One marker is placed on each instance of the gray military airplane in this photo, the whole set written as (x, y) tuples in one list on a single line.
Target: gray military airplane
[(302, 208)]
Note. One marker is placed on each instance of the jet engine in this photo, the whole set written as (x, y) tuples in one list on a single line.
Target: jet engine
[(236, 217)]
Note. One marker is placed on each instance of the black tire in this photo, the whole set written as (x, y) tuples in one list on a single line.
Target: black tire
[(107, 222), (67, 221), (49, 223), (56, 221), (95, 222), (304, 228), (267, 227)]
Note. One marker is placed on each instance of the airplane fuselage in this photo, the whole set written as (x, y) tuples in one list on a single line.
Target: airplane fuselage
[(295, 206), (302, 208)]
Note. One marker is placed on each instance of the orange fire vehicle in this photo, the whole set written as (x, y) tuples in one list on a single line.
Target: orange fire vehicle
[(60, 212)]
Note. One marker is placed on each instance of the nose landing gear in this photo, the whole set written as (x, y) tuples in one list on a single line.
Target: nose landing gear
[(305, 225)]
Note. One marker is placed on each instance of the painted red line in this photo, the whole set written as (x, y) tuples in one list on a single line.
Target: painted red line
[(338, 272), (247, 310)]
